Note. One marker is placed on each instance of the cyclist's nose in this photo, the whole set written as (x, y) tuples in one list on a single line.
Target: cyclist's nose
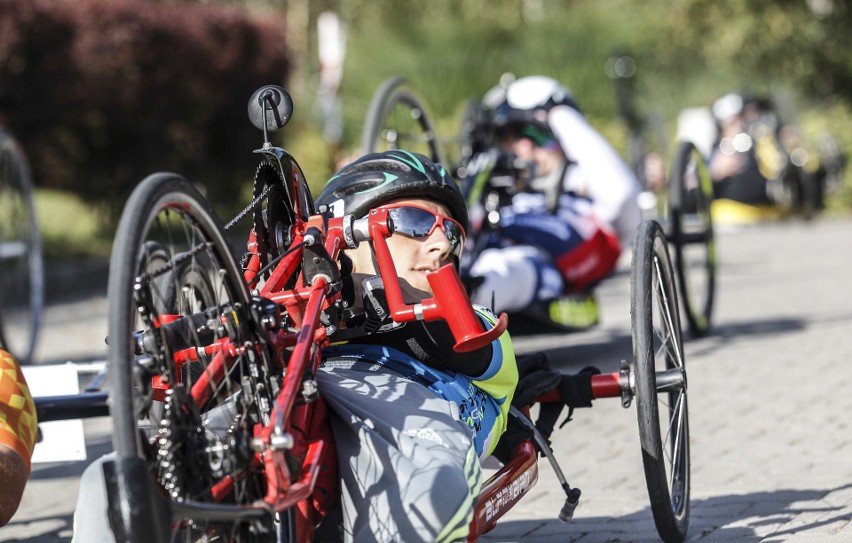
[(437, 242), (523, 148)]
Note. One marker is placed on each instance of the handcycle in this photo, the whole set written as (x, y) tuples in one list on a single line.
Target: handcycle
[(220, 428), (397, 116), (682, 205), (782, 158), (21, 260), (397, 119)]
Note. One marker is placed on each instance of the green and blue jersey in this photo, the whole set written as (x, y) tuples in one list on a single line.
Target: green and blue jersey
[(483, 400)]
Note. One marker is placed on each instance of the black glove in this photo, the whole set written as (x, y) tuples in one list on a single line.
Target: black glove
[(535, 380), (574, 391)]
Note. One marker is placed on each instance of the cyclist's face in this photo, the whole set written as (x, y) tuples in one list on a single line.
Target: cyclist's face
[(546, 157), (414, 258)]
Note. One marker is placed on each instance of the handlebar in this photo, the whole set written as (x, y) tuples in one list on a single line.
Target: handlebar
[(450, 301)]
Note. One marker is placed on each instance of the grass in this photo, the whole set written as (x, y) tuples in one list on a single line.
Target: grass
[(73, 229), (70, 227)]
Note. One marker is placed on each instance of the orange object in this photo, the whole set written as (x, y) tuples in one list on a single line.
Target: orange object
[(18, 421)]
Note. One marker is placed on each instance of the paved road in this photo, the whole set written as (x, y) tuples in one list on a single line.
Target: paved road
[(769, 394)]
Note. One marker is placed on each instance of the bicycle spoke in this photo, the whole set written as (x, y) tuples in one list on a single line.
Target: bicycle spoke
[(674, 422)]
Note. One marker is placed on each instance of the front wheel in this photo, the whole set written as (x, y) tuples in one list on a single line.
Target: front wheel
[(658, 380), (691, 236), (183, 411), (396, 119)]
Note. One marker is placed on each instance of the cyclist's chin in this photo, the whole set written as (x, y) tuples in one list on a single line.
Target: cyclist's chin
[(415, 286)]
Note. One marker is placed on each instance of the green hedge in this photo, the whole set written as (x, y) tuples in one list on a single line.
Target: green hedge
[(103, 92)]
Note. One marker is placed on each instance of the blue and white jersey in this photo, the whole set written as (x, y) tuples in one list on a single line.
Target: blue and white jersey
[(483, 401)]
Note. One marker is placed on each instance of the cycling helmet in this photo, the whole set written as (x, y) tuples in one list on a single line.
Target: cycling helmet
[(526, 101), (727, 106), (377, 178)]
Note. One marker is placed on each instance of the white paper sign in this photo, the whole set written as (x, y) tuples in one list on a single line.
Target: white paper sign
[(61, 440)]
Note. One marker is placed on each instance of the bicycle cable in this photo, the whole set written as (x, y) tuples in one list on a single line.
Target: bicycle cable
[(273, 262)]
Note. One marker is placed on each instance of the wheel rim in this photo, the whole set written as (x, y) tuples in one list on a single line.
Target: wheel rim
[(406, 127), (659, 383), (670, 384), (398, 120)]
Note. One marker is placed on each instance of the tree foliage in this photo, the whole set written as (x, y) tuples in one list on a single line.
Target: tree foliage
[(101, 92), (688, 52), (801, 43)]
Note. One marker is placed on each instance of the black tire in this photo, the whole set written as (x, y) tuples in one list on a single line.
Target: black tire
[(474, 134), (174, 286), (659, 382), (21, 260), (691, 235), (809, 198), (396, 119)]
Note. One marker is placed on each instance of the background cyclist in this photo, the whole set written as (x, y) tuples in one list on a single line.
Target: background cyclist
[(735, 166), (574, 212)]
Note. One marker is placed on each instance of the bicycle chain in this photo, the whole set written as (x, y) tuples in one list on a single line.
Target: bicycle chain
[(271, 222), (184, 475)]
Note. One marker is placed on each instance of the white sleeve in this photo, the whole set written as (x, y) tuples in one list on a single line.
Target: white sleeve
[(608, 181)]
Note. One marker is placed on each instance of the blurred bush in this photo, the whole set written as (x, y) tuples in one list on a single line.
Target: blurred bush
[(103, 92)]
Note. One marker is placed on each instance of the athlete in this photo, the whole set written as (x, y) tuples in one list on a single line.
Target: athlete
[(569, 214), (412, 417)]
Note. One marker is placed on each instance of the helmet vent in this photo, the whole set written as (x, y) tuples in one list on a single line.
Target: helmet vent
[(357, 186), (381, 165)]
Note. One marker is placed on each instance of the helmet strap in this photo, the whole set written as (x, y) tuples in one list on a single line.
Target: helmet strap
[(375, 261)]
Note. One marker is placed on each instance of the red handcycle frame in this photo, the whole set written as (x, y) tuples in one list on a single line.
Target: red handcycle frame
[(304, 282), (305, 304)]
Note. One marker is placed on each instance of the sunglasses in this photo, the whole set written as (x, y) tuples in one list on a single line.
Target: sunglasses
[(418, 222), (539, 136)]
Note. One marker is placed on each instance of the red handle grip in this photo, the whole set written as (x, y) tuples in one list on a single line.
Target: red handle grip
[(451, 303)]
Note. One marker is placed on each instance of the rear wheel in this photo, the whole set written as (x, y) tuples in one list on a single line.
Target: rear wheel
[(396, 119), (691, 236), (21, 263), (658, 381), (176, 295)]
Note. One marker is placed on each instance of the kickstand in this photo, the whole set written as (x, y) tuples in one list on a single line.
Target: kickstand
[(572, 494)]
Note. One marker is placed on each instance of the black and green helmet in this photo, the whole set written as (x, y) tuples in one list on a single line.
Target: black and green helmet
[(377, 178)]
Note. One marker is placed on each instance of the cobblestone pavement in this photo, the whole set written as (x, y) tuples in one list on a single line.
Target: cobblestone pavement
[(769, 393), (769, 397)]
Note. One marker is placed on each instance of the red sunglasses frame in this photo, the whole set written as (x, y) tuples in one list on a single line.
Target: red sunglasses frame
[(439, 221)]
